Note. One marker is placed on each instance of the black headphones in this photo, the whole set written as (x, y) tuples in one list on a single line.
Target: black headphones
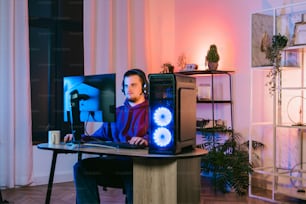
[(142, 75)]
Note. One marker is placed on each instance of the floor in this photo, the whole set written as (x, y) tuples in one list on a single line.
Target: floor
[(63, 193)]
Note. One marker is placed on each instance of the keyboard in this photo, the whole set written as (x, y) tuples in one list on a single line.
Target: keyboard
[(114, 145)]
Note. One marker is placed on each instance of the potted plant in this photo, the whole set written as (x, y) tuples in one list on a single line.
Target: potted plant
[(229, 165), (273, 53), (212, 57), (167, 68)]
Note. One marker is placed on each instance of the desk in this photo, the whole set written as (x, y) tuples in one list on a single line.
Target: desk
[(160, 178)]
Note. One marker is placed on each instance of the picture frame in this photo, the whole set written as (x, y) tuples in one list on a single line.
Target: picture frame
[(262, 28), (300, 33), (290, 58)]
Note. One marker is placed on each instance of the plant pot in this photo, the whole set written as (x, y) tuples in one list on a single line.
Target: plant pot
[(212, 65)]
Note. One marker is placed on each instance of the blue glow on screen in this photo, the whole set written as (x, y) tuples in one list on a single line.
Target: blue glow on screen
[(96, 94)]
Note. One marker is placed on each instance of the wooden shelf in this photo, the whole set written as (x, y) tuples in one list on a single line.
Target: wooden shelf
[(215, 129), (206, 72)]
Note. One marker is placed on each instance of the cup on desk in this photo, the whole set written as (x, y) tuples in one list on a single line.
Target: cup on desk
[(54, 136)]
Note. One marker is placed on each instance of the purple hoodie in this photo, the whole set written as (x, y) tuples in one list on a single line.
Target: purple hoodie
[(130, 122)]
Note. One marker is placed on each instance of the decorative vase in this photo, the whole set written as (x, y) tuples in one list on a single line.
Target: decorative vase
[(212, 65)]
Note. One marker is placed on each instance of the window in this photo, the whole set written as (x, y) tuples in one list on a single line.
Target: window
[(56, 50)]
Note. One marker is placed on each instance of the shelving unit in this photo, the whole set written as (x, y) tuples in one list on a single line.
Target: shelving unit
[(215, 106), (279, 120)]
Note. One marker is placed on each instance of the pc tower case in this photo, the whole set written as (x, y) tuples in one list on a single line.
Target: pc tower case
[(172, 113)]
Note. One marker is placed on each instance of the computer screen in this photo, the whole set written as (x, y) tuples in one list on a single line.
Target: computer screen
[(90, 98)]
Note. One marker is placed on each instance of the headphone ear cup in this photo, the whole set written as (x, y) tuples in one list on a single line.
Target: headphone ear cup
[(144, 88)]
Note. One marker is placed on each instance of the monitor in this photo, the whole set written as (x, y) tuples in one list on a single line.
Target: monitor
[(90, 98)]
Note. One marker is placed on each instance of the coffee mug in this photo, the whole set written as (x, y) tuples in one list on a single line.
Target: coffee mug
[(54, 136)]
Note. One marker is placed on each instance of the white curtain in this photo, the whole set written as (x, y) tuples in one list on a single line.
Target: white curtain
[(110, 29), (109, 32), (15, 103), (124, 34)]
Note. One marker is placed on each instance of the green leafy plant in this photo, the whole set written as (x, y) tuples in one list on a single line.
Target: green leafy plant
[(229, 164), (256, 145), (167, 68), (273, 53), (212, 54)]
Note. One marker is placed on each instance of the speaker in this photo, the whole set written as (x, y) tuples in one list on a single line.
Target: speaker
[(172, 113)]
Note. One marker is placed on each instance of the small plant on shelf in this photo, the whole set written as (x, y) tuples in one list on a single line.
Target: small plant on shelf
[(212, 57), (167, 68)]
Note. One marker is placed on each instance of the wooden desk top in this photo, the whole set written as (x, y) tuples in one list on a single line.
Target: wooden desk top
[(134, 153)]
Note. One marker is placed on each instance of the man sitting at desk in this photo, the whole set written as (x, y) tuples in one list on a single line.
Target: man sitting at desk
[(131, 126)]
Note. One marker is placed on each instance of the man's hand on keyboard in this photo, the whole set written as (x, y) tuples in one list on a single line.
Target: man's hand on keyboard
[(68, 138), (138, 141)]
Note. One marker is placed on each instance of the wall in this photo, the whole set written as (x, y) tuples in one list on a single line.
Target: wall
[(194, 24), (42, 165), (227, 24)]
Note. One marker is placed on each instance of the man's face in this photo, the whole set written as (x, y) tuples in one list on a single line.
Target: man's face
[(133, 88)]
